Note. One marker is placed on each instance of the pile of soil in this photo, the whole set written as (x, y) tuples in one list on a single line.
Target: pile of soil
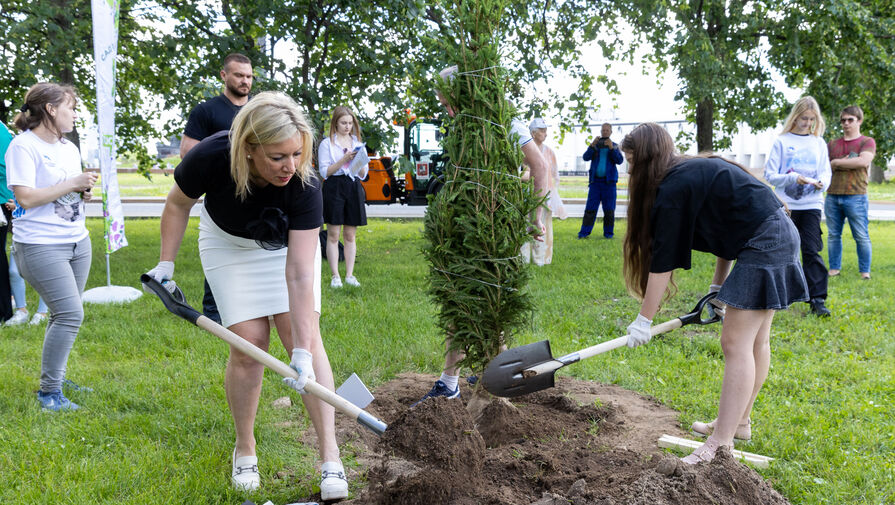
[(581, 443)]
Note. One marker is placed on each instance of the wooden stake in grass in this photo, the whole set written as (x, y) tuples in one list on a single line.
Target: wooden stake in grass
[(478, 222)]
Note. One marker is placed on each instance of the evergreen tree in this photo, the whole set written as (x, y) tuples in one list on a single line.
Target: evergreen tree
[(478, 222)]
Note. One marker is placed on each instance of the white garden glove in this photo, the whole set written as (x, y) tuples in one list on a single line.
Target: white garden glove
[(639, 331), (162, 272), (301, 363)]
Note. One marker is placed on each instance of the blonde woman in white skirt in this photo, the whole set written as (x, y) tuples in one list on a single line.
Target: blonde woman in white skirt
[(258, 241)]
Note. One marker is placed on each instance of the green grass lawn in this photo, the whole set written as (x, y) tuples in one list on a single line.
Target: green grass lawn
[(157, 429)]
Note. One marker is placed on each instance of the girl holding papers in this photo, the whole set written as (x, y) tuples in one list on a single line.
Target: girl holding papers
[(343, 194)]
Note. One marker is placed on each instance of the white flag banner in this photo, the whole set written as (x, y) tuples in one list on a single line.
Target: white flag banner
[(105, 50)]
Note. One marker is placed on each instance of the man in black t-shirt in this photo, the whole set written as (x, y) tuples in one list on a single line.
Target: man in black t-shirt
[(214, 115), (217, 114)]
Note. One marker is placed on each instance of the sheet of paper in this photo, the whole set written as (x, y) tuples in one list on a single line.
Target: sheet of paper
[(359, 163)]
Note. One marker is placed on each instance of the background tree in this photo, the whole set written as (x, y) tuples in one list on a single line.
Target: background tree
[(478, 222), (715, 47), (842, 54), (53, 41), (725, 54)]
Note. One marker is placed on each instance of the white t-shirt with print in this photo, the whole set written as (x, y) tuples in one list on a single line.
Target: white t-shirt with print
[(33, 163)]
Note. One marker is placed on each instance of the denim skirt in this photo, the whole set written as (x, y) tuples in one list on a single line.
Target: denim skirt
[(767, 273)]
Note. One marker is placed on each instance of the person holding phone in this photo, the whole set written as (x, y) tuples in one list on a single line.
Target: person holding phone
[(799, 169), (602, 178), (343, 195)]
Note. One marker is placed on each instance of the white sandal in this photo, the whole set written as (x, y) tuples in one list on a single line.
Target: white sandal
[(743, 431), (704, 453)]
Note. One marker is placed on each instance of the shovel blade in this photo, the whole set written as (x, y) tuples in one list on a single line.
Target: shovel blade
[(503, 375)]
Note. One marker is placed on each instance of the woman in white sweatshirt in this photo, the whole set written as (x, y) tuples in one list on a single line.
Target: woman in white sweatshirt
[(799, 169)]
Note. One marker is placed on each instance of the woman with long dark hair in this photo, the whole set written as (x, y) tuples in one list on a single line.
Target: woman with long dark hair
[(680, 204)]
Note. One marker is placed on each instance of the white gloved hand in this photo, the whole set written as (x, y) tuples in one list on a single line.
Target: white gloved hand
[(639, 331), (714, 288), (162, 272), (301, 363)]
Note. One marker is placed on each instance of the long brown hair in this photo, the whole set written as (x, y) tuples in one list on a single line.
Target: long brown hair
[(34, 112), (338, 112), (650, 152)]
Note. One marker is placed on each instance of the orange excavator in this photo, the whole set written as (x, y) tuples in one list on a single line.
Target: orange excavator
[(419, 169)]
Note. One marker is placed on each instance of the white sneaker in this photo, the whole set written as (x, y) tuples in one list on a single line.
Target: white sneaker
[(352, 281), (333, 483), (20, 317), (245, 476), (335, 283), (37, 319)]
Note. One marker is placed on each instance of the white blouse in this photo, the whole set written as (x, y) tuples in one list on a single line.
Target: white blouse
[(329, 152)]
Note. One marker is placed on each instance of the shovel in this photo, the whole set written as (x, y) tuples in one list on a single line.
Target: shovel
[(174, 301), (529, 368)]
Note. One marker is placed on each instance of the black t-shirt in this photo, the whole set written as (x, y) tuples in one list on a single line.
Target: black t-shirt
[(708, 205), (206, 170), (211, 117)]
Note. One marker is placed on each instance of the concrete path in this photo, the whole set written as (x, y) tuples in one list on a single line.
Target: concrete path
[(152, 207)]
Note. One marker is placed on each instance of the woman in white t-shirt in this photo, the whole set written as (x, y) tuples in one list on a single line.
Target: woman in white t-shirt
[(343, 195), (50, 241)]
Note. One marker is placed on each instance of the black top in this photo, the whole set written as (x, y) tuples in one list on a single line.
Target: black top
[(267, 212), (708, 205), (211, 117)]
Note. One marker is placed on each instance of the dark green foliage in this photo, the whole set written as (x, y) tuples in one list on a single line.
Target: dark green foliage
[(480, 219)]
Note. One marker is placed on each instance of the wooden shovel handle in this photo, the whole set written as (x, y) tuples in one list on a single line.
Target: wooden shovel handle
[(588, 352), (311, 387)]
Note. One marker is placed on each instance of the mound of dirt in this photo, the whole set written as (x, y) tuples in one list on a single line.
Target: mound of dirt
[(581, 443)]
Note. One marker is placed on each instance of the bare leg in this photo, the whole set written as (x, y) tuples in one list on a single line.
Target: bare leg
[(321, 413), (332, 248), (742, 376), (243, 383), (349, 233), (761, 351), (451, 358)]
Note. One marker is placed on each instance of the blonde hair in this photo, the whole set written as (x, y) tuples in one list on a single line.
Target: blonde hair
[(268, 118), (338, 113), (804, 104)]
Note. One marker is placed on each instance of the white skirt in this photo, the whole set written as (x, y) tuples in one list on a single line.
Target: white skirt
[(247, 280)]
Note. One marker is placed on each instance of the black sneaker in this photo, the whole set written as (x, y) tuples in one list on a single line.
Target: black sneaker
[(439, 389), (818, 308)]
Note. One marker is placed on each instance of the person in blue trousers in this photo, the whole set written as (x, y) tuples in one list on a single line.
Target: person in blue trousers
[(604, 157)]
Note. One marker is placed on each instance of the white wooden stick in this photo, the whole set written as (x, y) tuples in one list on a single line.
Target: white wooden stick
[(668, 441)]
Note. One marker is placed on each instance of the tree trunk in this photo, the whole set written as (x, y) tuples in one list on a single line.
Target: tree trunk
[(705, 122)]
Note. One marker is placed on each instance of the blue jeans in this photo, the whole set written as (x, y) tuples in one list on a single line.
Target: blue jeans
[(838, 208)]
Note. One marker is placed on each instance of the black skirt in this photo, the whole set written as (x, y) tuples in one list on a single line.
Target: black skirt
[(344, 201)]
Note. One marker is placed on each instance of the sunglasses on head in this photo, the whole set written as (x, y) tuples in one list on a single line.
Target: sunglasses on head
[(848, 120)]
